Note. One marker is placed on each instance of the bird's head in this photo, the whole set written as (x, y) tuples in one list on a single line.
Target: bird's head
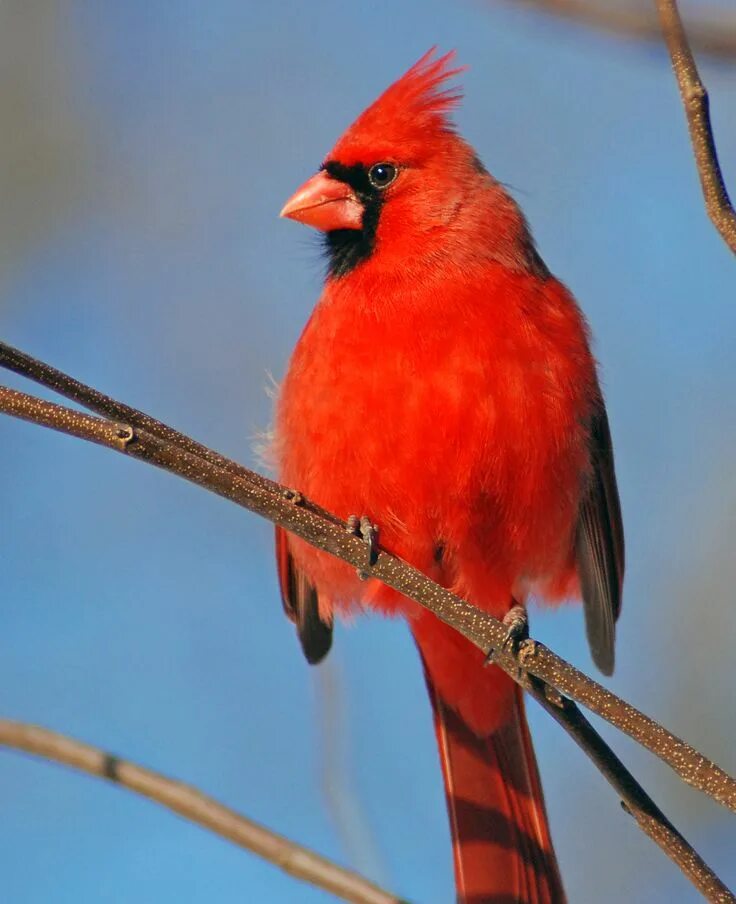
[(401, 180)]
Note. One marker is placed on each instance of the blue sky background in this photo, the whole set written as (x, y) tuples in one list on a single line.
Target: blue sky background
[(148, 148)]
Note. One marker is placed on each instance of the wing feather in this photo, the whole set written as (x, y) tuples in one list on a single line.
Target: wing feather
[(301, 603), (599, 546)]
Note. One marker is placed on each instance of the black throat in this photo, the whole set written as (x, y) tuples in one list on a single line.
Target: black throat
[(346, 248)]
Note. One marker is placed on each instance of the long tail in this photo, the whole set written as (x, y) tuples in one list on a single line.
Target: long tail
[(501, 841)]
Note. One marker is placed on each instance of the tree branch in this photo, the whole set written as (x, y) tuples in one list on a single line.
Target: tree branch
[(634, 799), (715, 36), (45, 375), (533, 660), (697, 110), (292, 858), (170, 450)]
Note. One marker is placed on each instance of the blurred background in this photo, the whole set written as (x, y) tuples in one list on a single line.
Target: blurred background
[(145, 151)]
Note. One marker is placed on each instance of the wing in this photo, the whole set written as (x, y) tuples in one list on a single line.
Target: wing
[(599, 546), (301, 603)]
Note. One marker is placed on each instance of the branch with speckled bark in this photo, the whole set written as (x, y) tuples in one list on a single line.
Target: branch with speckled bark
[(554, 683), (697, 110)]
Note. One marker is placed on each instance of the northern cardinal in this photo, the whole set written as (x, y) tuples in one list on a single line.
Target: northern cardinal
[(444, 390)]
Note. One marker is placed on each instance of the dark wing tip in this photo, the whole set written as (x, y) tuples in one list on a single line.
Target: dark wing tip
[(314, 634), (600, 548), (602, 643), (301, 604), (605, 662), (599, 591)]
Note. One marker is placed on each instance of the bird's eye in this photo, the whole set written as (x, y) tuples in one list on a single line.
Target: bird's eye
[(382, 174)]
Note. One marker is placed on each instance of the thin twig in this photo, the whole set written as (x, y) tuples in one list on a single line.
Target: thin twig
[(268, 499), (697, 110), (190, 803), (634, 799), (480, 628), (97, 430), (45, 375), (714, 35)]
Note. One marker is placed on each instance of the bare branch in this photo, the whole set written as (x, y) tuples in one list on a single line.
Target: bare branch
[(486, 632), (292, 858), (697, 110), (66, 420), (634, 798), (45, 375), (714, 35)]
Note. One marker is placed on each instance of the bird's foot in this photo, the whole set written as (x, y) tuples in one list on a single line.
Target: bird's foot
[(517, 630), (368, 532), (292, 496)]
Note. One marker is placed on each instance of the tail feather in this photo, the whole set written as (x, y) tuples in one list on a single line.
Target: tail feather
[(501, 842)]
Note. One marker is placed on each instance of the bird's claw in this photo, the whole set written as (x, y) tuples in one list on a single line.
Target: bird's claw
[(368, 532), (517, 630), (293, 496)]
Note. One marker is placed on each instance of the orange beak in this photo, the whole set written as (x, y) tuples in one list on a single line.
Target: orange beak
[(325, 203)]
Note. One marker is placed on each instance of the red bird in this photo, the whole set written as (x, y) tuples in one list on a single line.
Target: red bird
[(444, 389)]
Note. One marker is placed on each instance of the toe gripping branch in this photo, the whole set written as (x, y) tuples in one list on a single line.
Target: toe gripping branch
[(368, 532), (517, 630)]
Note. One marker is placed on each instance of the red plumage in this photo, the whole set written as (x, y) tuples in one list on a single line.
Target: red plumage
[(444, 387)]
